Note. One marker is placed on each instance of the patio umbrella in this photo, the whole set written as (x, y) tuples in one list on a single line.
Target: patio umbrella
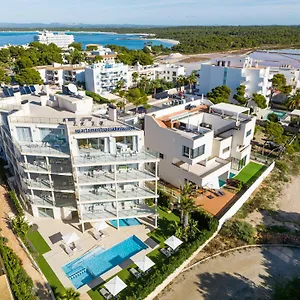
[(70, 238), (100, 225), (173, 242), (115, 286), (144, 263)]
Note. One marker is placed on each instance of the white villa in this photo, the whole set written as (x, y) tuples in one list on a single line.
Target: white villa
[(200, 142), (70, 161)]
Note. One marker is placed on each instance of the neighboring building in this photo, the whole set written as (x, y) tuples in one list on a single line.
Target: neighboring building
[(292, 75), (62, 74), (169, 72), (233, 73), (200, 142), (102, 77), (107, 54), (71, 162), (60, 39)]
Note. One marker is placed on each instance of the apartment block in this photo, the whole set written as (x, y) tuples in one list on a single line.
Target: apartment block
[(73, 163), (200, 142)]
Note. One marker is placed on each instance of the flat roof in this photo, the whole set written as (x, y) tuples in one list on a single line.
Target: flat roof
[(230, 108), (63, 67), (295, 112)]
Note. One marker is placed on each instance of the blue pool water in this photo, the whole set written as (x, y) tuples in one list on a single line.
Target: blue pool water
[(98, 261), (125, 222), (222, 183), (280, 114)]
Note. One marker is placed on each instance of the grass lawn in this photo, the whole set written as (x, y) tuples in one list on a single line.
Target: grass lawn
[(42, 247), (250, 173), (159, 235)]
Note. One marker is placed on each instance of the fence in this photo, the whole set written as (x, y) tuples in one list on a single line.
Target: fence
[(227, 215)]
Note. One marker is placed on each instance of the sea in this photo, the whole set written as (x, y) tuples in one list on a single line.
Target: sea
[(128, 40)]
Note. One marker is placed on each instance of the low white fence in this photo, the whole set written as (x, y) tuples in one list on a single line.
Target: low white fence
[(230, 212)]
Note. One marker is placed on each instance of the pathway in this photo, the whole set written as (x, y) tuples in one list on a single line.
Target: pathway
[(13, 243), (247, 274)]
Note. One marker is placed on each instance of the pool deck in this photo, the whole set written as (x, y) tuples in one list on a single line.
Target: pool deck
[(52, 230)]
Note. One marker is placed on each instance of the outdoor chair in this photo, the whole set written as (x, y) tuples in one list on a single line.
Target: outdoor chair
[(165, 252), (68, 250), (135, 273), (97, 235), (78, 246), (106, 294)]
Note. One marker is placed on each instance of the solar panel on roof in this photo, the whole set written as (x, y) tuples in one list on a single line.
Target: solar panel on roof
[(6, 92), (11, 92), (32, 88), (22, 90), (27, 89)]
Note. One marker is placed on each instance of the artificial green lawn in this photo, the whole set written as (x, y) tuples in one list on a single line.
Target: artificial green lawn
[(160, 234), (250, 173), (42, 247)]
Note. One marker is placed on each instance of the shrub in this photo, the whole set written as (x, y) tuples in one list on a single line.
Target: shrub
[(16, 202), (290, 290), (238, 229), (282, 166), (234, 182), (164, 200), (273, 117), (97, 98)]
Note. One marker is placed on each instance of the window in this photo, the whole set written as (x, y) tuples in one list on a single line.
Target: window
[(248, 132), (226, 149), (24, 134), (186, 151), (161, 156), (197, 151), (52, 135)]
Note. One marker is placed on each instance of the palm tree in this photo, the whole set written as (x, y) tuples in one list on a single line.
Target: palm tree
[(191, 80), (155, 84), (187, 203), (120, 84), (135, 76), (181, 81), (293, 102), (68, 294), (144, 82), (20, 225), (122, 104)]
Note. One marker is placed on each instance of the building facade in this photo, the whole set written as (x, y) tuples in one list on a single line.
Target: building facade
[(71, 163), (200, 142), (103, 77), (233, 73), (62, 74), (60, 39)]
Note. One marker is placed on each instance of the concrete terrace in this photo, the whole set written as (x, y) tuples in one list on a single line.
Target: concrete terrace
[(52, 231)]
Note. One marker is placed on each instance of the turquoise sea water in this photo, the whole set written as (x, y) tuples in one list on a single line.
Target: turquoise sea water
[(129, 41)]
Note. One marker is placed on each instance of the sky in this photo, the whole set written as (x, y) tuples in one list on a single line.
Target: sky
[(153, 12)]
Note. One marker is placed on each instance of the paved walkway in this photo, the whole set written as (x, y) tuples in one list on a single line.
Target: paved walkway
[(13, 243), (249, 274)]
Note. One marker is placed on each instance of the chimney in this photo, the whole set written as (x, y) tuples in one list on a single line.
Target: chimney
[(25, 107), (112, 112), (18, 98)]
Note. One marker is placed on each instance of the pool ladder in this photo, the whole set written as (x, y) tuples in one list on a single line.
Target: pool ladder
[(78, 273)]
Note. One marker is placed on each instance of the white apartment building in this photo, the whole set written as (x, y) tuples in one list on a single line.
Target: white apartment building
[(60, 39), (168, 72), (292, 75), (62, 74), (200, 142), (107, 54), (102, 77), (233, 73), (73, 163)]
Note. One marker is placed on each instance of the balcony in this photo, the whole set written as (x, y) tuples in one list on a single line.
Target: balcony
[(42, 200), (43, 168), (44, 150), (108, 159), (92, 178), (103, 194), (45, 184), (109, 212)]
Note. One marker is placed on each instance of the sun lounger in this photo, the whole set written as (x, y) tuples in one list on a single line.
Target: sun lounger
[(68, 250), (78, 246), (106, 294), (165, 252), (221, 192), (97, 235), (135, 273), (103, 234)]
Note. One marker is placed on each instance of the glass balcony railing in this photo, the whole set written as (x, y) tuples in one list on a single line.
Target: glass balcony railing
[(39, 149), (44, 168)]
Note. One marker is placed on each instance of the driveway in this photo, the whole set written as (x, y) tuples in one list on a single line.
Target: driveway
[(249, 274)]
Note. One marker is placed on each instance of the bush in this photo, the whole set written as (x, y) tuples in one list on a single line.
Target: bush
[(287, 291), (97, 98), (234, 182), (238, 229), (273, 117), (21, 283), (164, 200), (16, 202), (282, 166)]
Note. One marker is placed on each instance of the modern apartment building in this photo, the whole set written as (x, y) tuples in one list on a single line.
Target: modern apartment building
[(62, 74), (168, 72), (102, 77), (60, 39), (233, 73), (200, 142), (108, 56), (292, 75), (70, 162)]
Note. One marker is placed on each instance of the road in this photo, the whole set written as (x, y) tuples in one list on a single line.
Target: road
[(249, 274)]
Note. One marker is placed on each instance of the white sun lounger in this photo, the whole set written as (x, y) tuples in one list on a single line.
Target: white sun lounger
[(78, 246), (68, 250), (135, 273), (106, 294), (97, 235)]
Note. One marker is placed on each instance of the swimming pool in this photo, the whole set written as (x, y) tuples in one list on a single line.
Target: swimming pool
[(125, 222), (222, 182), (98, 261), (280, 114)]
